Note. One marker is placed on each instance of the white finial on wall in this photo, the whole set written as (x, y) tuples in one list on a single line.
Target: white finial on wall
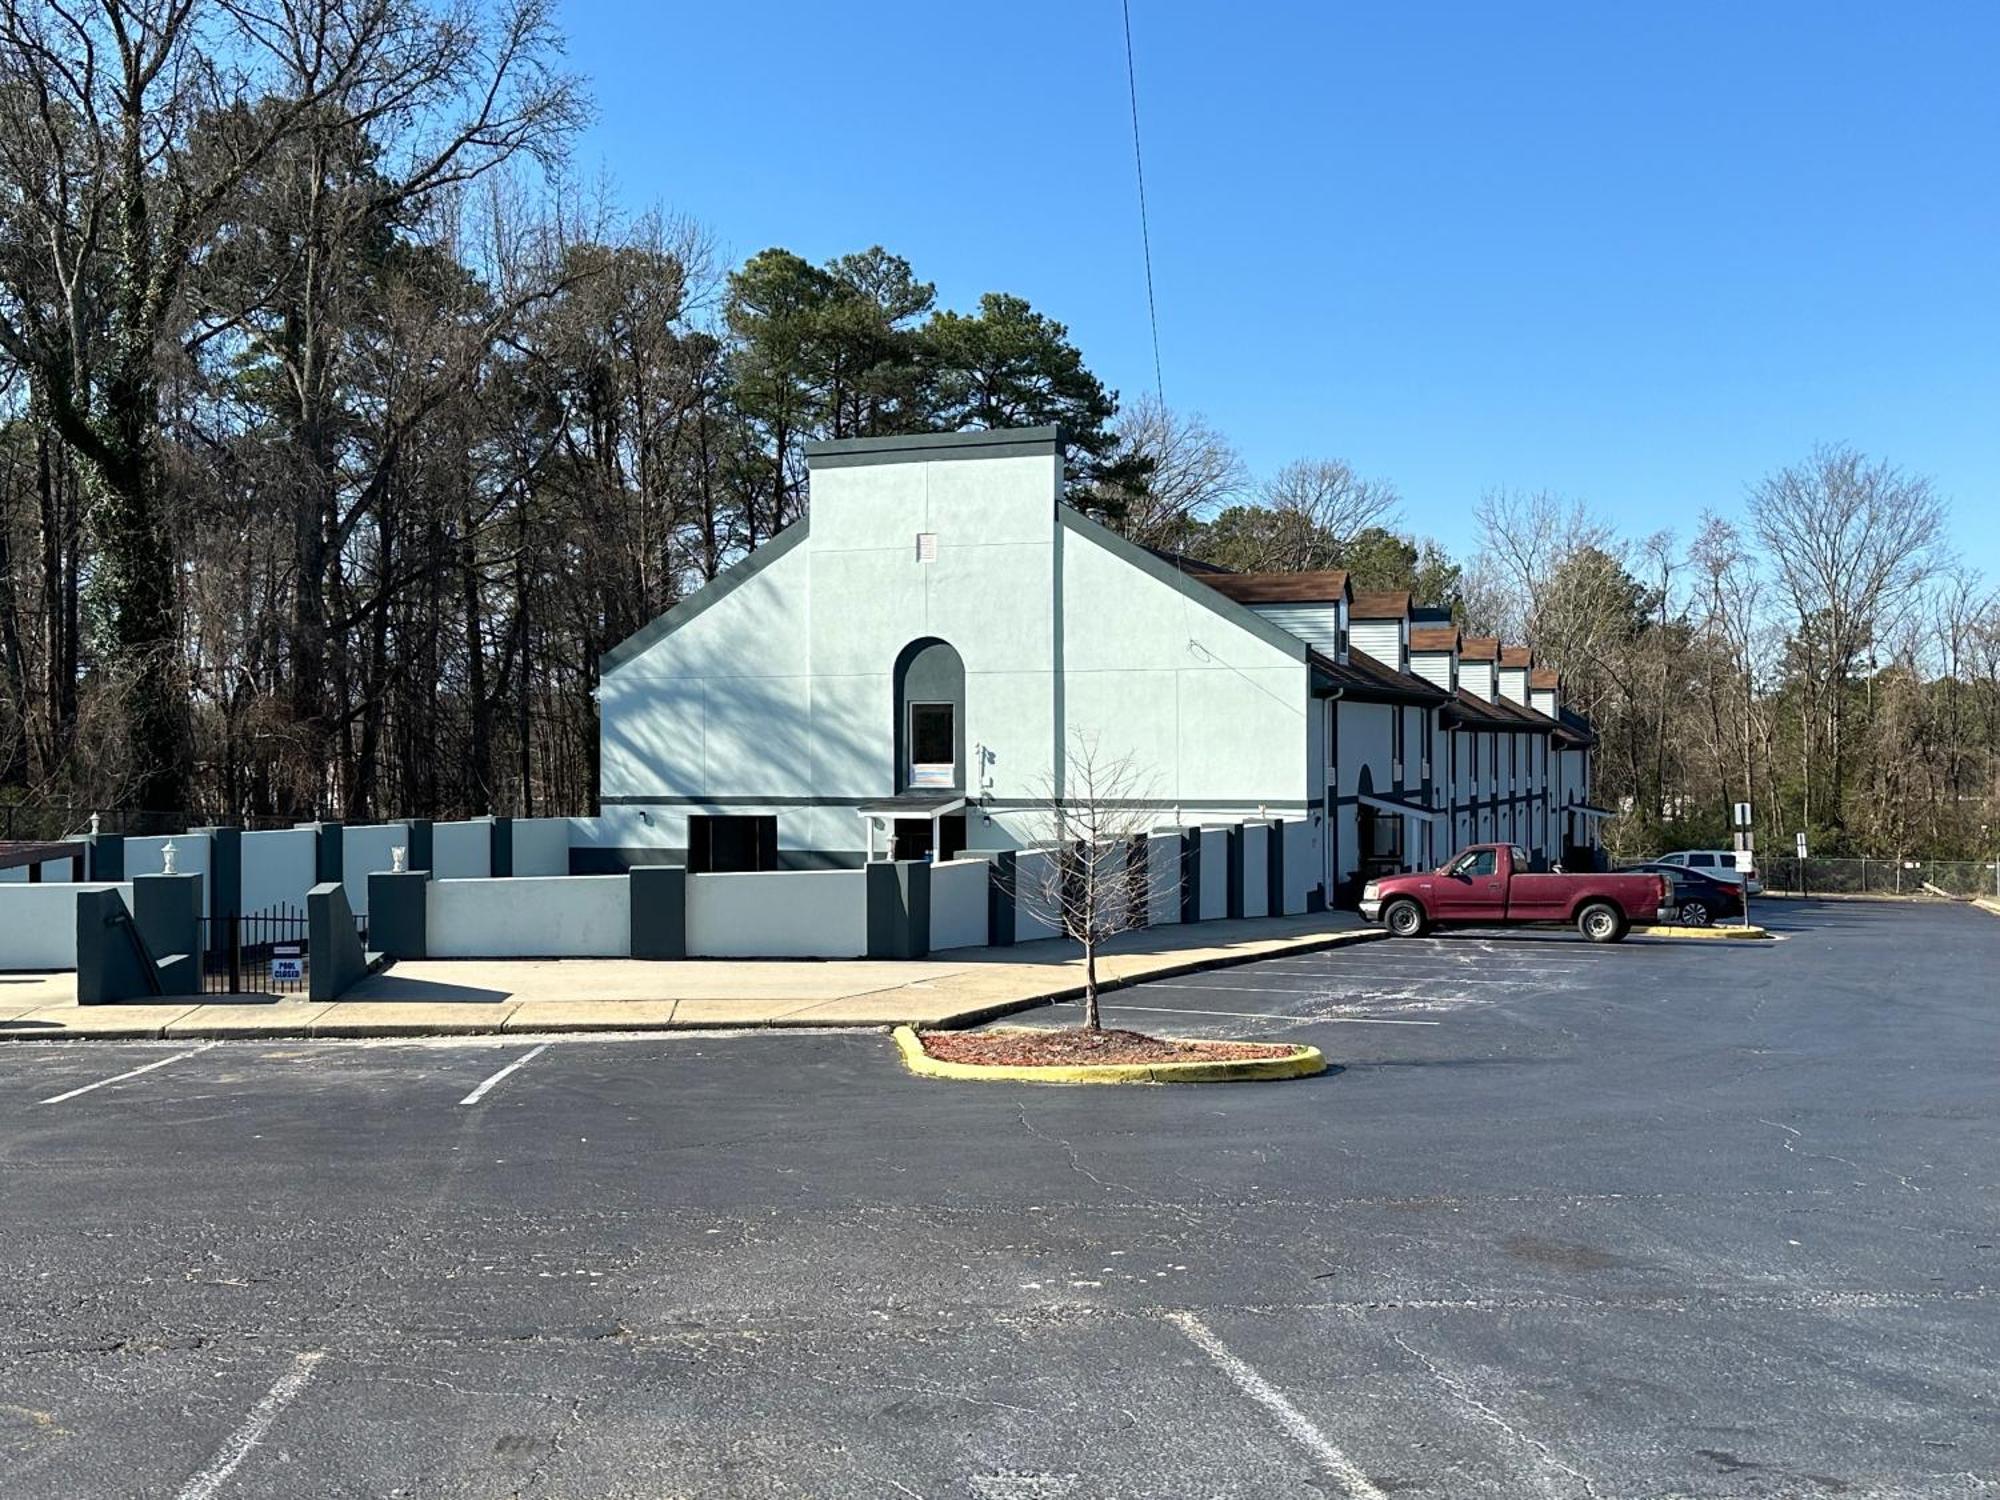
[(168, 854), (95, 823), (397, 855)]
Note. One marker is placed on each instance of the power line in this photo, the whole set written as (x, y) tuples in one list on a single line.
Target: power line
[(1145, 232)]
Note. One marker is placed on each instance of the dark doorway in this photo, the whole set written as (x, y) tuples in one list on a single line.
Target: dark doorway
[(718, 845), (911, 837)]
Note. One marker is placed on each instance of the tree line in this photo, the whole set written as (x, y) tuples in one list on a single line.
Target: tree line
[(342, 429)]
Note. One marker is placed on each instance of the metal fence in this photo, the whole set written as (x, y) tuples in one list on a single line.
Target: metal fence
[(262, 953), (1878, 877)]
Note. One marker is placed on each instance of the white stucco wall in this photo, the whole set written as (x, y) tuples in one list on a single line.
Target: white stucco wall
[(541, 846), (1217, 710), (279, 868), (778, 914), (191, 857), (462, 851), (557, 916), (958, 904), (364, 851), (784, 686), (38, 923)]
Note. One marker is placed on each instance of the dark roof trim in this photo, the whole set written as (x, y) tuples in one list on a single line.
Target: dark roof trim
[(1474, 712), (16, 854), (721, 587), (1188, 585), (1189, 564), (1362, 679), (931, 447)]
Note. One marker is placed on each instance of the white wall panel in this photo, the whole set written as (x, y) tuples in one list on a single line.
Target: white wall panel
[(191, 857), (38, 923), (462, 851), (279, 867), (364, 851), (555, 916), (541, 846), (958, 904), (781, 914)]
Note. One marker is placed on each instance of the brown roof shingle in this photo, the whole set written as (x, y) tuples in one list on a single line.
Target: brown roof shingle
[(1516, 656), (1480, 648), (1380, 604), (1434, 638), (1280, 588), (1364, 678), (1545, 679)]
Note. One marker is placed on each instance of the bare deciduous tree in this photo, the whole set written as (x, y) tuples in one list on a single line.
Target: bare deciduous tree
[(1090, 884), (1852, 543), (1192, 471), (1321, 503)]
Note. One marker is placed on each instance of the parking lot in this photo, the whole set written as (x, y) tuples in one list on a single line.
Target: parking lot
[(1695, 1219)]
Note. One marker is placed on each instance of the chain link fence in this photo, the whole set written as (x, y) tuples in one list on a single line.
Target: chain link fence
[(1791, 875)]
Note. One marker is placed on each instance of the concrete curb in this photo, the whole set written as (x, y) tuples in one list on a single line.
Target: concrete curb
[(1302, 1062), (177, 1018), (980, 1015), (1711, 933)]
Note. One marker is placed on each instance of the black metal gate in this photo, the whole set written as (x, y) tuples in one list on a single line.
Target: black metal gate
[(263, 953)]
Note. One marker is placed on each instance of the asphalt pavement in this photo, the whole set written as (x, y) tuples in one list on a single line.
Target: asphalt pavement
[(1703, 1219)]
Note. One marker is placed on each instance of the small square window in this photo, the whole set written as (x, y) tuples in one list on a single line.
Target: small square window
[(926, 546)]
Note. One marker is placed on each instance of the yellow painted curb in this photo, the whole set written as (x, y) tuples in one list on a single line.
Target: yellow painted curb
[(1302, 1062), (1701, 932)]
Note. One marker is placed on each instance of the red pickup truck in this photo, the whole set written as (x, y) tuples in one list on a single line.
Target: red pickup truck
[(1491, 883)]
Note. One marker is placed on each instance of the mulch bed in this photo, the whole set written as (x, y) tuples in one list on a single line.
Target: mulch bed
[(1074, 1045)]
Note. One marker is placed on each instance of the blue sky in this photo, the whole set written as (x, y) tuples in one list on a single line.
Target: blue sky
[(1638, 255)]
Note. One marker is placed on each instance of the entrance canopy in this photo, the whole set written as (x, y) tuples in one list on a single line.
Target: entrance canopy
[(934, 807), (1391, 805)]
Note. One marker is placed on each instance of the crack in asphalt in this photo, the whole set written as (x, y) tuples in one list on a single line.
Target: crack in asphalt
[(1459, 1392)]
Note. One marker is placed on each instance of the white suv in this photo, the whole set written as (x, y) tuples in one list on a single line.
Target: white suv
[(1718, 864)]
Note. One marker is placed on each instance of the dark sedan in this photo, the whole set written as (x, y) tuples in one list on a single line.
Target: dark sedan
[(1701, 900)]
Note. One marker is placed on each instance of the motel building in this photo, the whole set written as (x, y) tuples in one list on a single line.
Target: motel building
[(907, 673)]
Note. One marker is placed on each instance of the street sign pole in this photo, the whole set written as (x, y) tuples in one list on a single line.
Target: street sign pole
[(1746, 851)]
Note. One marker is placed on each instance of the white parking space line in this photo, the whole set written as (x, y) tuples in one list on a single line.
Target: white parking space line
[(1265, 1015), (130, 1073), (210, 1480), (1336, 1464), (520, 1062)]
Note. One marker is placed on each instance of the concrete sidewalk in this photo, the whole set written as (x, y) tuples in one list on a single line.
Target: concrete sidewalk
[(473, 996)]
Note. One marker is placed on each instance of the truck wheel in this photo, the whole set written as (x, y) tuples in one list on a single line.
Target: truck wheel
[(1404, 919), (1601, 923)]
